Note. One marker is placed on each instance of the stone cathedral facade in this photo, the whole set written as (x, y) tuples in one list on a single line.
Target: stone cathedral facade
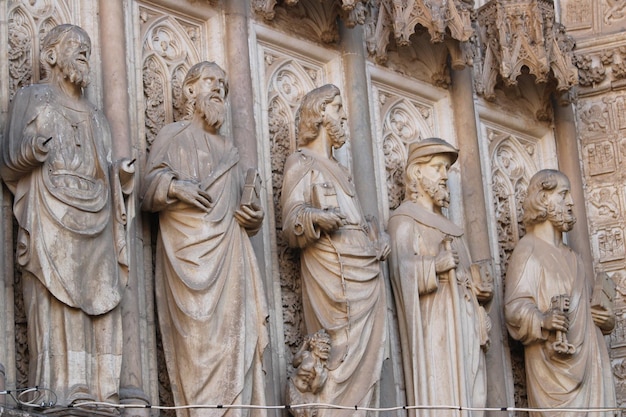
[(516, 85)]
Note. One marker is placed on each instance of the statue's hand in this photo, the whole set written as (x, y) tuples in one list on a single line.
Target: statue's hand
[(41, 147), (384, 246), (555, 319), (328, 220), (190, 192), (446, 260), (604, 319), (250, 217)]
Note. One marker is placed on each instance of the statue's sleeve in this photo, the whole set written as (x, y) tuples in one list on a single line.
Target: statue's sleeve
[(161, 170), (298, 227), (522, 314), (20, 151), (408, 258)]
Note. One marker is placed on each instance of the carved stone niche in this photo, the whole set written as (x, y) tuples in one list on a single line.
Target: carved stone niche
[(521, 35)]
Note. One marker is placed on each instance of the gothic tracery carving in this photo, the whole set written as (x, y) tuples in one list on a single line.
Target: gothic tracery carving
[(170, 48), (403, 121)]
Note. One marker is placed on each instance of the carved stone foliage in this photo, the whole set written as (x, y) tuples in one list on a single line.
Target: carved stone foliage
[(29, 21), (521, 35), (287, 81), (170, 46), (402, 120), (607, 66)]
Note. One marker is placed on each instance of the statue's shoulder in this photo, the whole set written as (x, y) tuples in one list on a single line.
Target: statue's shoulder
[(37, 93), (298, 161), (171, 130)]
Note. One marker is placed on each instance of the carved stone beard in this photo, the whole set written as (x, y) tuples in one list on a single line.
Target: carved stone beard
[(214, 112), (75, 70), (438, 192), (336, 132), (560, 217)]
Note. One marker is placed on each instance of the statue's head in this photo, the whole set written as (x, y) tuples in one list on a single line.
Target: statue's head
[(548, 198), (205, 89), (65, 50), (427, 170), (321, 108)]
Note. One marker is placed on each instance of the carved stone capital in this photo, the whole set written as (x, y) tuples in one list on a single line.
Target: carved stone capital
[(522, 35)]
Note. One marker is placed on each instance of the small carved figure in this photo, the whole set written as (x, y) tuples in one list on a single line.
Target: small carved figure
[(439, 292), (342, 287), (548, 307), (70, 208), (209, 290), (310, 373)]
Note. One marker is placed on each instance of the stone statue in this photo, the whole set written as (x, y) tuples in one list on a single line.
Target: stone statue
[(70, 208), (439, 292), (342, 286), (311, 373), (209, 290), (548, 308)]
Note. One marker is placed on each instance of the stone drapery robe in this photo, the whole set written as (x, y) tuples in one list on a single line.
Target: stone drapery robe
[(210, 297), (441, 324), (538, 271), (342, 287), (71, 243)]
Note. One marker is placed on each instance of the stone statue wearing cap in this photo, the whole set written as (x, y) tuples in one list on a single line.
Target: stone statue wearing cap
[(438, 290)]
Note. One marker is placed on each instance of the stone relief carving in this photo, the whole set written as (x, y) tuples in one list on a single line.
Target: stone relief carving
[(599, 157), (342, 286), (71, 210), (439, 291), (548, 308), (578, 14), (523, 34), (614, 11), (287, 80), (170, 47), (209, 289)]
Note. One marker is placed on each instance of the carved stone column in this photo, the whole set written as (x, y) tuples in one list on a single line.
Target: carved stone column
[(499, 377), (355, 95), (240, 94), (116, 108), (241, 97), (569, 163)]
